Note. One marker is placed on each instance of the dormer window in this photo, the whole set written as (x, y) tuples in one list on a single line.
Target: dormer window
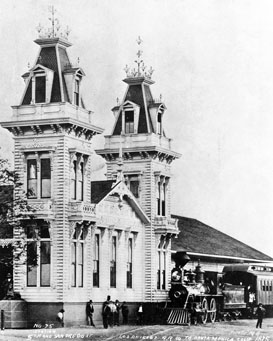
[(39, 87), (129, 118), (129, 122), (77, 92), (159, 123)]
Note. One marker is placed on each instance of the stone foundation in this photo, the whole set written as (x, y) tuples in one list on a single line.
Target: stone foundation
[(15, 312)]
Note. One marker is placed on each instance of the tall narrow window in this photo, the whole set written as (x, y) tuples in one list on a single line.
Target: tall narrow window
[(159, 123), (113, 262), (158, 193), (80, 261), (31, 270), (77, 259), (45, 178), (158, 270), (77, 92), (162, 264), (73, 177), (130, 263), (40, 89), (163, 271), (96, 261), (129, 122), (73, 260), (80, 182), (163, 199), (134, 187), (38, 251), (161, 196), (32, 178)]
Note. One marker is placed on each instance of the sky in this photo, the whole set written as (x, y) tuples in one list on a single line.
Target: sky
[(213, 63)]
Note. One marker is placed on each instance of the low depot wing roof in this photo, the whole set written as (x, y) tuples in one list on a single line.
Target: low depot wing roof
[(197, 237), (99, 189)]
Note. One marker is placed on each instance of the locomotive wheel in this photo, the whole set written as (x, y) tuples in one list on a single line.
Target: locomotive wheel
[(205, 306), (212, 308)]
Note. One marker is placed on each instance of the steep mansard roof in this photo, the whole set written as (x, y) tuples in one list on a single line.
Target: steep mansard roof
[(53, 55), (140, 94), (197, 237)]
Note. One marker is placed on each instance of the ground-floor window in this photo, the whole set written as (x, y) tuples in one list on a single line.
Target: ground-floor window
[(77, 258), (113, 262), (38, 255), (161, 264), (96, 261), (130, 263)]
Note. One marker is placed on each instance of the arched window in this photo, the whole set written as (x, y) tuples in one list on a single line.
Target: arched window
[(130, 263), (113, 262), (96, 261), (77, 258), (161, 264)]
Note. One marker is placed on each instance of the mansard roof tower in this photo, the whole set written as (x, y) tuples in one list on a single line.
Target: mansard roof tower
[(147, 157), (52, 131)]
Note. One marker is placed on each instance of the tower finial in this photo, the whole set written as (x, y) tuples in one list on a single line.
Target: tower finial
[(140, 71), (52, 12), (54, 30)]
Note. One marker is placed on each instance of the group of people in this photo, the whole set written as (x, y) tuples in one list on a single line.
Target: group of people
[(111, 312)]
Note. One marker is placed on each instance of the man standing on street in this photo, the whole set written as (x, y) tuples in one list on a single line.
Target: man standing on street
[(260, 314), (89, 313)]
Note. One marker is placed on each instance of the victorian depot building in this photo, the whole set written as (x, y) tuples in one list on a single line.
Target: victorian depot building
[(93, 238), (98, 238)]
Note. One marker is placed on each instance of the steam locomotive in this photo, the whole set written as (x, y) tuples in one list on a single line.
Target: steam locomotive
[(207, 296)]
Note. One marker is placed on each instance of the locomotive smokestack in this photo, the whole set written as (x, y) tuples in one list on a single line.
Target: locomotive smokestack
[(199, 273), (180, 258)]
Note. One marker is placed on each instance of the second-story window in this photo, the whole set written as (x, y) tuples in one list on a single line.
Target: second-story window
[(129, 122), (73, 177), (113, 262), (32, 178), (163, 199), (132, 182), (77, 173), (96, 261), (161, 196), (158, 197), (39, 182), (80, 181), (45, 178)]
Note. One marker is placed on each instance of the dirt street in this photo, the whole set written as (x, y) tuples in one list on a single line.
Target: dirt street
[(240, 330)]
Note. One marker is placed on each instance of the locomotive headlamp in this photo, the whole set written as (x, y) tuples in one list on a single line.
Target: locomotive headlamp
[(176, 276), (177, 294)]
